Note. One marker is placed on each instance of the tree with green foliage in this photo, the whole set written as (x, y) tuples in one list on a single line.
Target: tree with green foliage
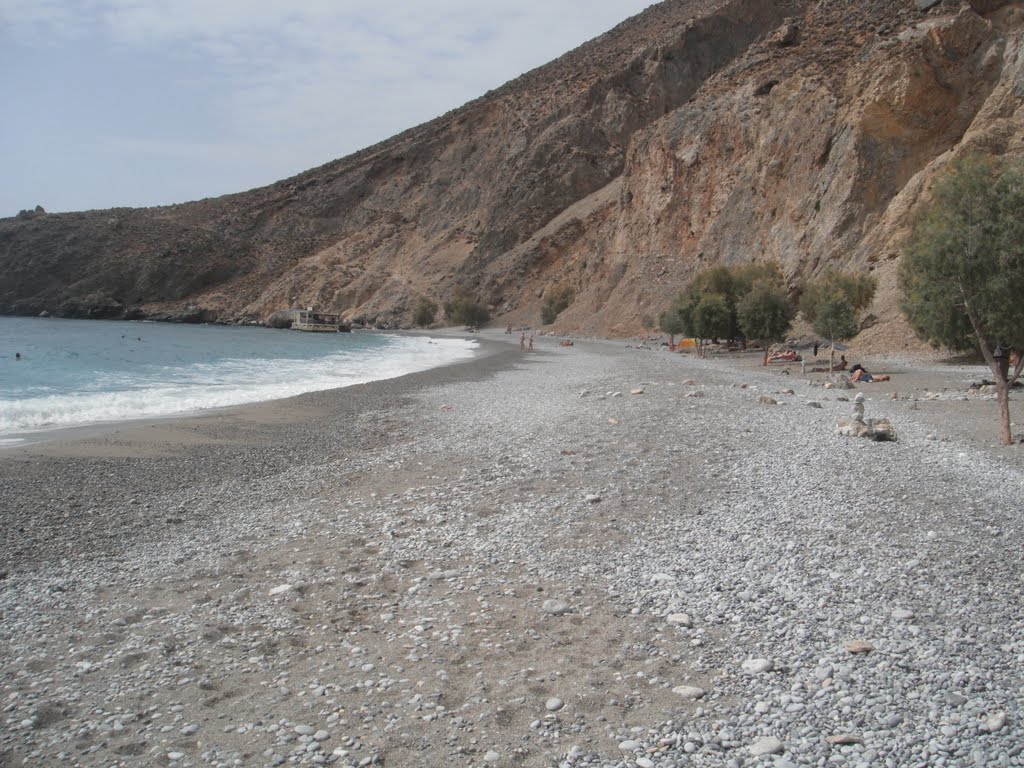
[(835, 320), (425, 311), (708, 307), (463, 308), (856, 290), (475, 314), (556, 299), (712, 317), (831, 305), (746, 276), (717, 318), (962, 271), (682, 309), (716, 281), (765, 314), (671, 323)]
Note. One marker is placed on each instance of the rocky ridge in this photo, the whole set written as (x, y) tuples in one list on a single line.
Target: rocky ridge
[(694, 133)]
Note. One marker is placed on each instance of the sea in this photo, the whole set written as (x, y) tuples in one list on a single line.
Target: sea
[(60, 374)]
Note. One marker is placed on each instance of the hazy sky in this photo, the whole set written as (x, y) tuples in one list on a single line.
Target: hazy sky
[(146, 102)]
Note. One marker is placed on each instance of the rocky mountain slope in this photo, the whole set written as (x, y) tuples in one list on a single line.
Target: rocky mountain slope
[(699, 131)]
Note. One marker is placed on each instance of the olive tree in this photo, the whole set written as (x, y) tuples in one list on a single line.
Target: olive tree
[(962, 271), (832, 303), (835, 320), (671, 323), (765, 314), (709, 306), (714, 288), (712, 318)]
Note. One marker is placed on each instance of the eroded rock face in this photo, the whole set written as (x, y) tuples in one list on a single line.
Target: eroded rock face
[(823, 167), (698, 132)]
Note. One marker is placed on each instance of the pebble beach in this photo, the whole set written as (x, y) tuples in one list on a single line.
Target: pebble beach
[(593, 555)]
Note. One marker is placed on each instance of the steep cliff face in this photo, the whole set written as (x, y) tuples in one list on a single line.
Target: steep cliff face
[(811, 150), (697, 132)]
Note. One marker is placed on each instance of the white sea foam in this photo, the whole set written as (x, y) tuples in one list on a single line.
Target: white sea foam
[(174, 390)]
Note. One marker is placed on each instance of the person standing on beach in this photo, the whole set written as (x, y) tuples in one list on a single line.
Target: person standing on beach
[(522, 341), (531, 342)]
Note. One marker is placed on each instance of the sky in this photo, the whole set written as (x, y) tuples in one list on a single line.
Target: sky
[(110, 103)]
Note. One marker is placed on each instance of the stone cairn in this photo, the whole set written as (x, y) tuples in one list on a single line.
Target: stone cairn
[(880, 430)]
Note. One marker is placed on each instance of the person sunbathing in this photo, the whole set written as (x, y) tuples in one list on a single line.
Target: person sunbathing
[(860, 373)]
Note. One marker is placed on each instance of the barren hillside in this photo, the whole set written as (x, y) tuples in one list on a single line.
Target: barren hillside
[(699, 131)]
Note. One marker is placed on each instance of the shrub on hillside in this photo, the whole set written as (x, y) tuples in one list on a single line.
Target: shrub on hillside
[(425, 312), (556, 299), (463, 308)]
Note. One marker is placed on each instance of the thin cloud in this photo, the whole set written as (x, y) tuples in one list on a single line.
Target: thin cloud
[(269, 88)]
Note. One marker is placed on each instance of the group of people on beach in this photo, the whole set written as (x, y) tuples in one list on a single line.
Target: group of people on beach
[(525, 345), (858, 373)]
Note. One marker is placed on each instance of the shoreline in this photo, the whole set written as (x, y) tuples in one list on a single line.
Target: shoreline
[(88, 432), (944, 374), (593, 554)]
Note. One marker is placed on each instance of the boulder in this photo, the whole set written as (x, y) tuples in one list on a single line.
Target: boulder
[(859, 646), (879, 430), (689, 691), (769, 745), (851, 428), (786, 35), (555, 607)]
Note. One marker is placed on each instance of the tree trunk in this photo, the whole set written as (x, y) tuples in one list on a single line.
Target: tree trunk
[(1004, 412), (1017, 363), (999, 363), (998, 360)]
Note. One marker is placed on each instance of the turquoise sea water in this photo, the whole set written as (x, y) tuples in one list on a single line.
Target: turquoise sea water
[(80, 372)]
